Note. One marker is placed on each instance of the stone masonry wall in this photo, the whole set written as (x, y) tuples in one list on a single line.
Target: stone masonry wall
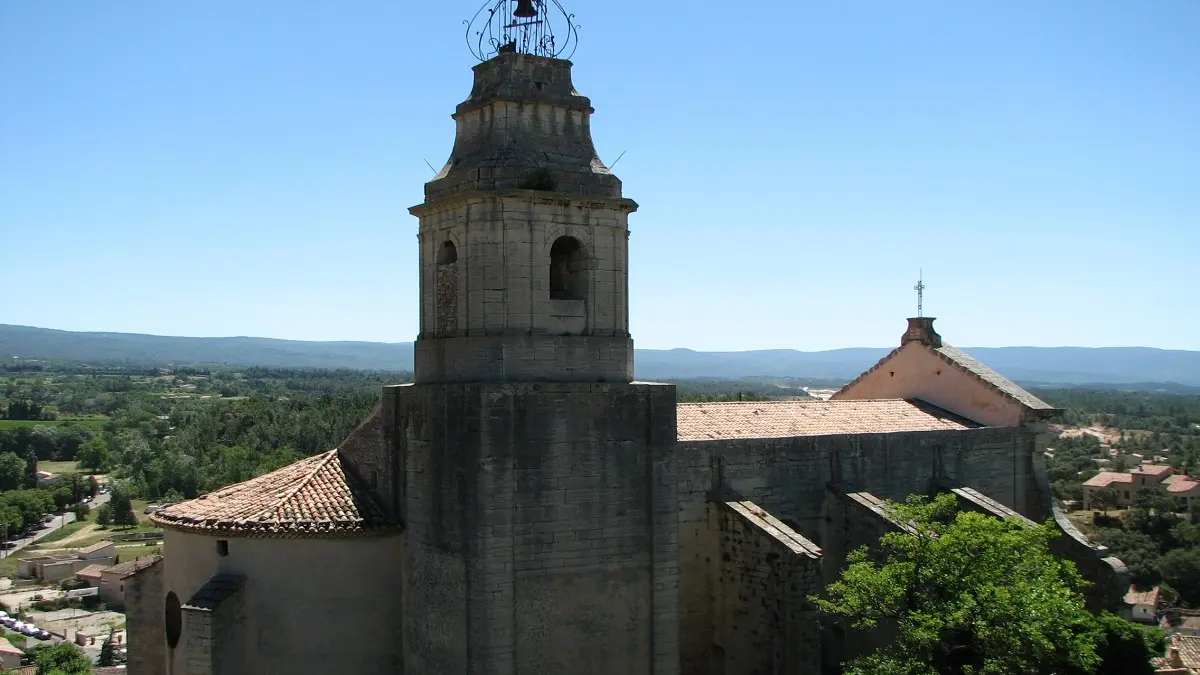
[(504, 324), (765, 573), (144, 605), (541, 527), (853, 520), (369, 455), (788, 478)]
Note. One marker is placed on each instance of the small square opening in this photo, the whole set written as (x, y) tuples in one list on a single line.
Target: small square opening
[(222, 547)]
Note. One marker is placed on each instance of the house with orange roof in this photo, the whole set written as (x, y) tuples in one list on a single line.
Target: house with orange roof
[(1143, 604), (1126, 485)]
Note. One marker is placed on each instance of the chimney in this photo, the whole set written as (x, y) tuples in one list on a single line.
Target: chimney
[(1174, 658), (920, 329)]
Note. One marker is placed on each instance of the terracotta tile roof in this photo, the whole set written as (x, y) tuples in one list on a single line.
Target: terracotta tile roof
[(132, 567), (1152, 469), (91, 571), (8, 648), (1183, 486), (995, 380), (98, 546), (1106, 478), (1188, 649), (315, 497), (1148, 597), (781, 419)]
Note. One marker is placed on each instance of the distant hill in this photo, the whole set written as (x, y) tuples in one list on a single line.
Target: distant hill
[(1132, 367), (130, 348)]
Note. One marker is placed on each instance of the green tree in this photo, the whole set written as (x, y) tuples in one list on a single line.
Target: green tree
[(81, 512), (10, 520), (104, 515), (31, 462), (1106, 498), (1181, 569), (956, 587), (94, 456), (1138, 551), (122, 509), (63, 658), (107, 657), (12, 472), (1126, 648)]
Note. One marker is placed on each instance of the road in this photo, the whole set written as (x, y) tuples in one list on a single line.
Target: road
[(59, 521)]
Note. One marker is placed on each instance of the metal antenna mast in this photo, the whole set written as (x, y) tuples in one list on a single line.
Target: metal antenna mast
[(920, 289)]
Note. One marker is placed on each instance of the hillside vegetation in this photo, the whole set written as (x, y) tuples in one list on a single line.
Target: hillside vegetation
[(1132, 367)]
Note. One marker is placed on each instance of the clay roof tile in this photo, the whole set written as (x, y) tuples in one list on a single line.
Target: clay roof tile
[(317, 496), (781, 419)]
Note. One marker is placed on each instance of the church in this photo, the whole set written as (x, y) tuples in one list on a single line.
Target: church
[(524, 506)]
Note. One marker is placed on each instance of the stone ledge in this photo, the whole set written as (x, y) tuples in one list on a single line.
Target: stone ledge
[(446, 202)]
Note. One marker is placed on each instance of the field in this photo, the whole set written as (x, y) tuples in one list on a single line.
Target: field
[(57, 467), (95, 423)]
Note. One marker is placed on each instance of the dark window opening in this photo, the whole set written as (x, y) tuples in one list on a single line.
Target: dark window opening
[(568, 270), (447, 254), (222, 547), (173, 620)]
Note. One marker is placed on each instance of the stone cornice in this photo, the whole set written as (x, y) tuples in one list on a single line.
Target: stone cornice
[(533, 196), (580, 103)]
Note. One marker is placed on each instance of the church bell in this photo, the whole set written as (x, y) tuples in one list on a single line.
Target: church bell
[(525, 9)]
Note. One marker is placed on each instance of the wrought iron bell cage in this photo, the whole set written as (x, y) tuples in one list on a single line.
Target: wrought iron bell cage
[(537, 27)]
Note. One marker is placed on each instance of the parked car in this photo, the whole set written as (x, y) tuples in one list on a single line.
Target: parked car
[(151, 509), (43, 634)]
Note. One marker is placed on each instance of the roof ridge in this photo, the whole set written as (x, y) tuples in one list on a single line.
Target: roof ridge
[(971, 369), (814, 400), (300, 485)]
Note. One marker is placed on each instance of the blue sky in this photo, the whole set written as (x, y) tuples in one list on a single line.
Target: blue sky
[(233, 168)]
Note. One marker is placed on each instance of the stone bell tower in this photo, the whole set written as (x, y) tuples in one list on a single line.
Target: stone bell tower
[(524, 238), (534, 478)]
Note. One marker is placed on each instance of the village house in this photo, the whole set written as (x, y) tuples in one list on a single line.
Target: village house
[(1126, 485), (1143, 605), (91, 575), (10, 656), (112, 580), (57, 568)]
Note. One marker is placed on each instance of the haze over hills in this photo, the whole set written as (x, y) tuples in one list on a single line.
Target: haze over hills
[(1128, 366)]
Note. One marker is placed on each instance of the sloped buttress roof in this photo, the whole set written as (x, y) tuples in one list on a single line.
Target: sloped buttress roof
[(313, 498)]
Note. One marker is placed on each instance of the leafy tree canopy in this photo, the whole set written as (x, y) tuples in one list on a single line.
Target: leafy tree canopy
[(63, 658), (969, 593)]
